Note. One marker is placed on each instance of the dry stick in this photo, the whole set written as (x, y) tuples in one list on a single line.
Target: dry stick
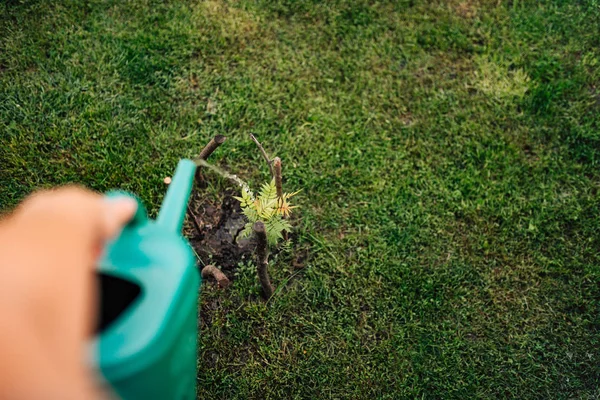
[(278, 184), (208, 150), (262, 261), (204, 154), (264, 153), (217, 274), (212, 146), (277, 176)]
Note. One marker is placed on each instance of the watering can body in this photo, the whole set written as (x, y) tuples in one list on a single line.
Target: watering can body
[(149, 284)]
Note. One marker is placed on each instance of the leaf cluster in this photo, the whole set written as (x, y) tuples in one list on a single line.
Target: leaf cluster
[(268, 208)]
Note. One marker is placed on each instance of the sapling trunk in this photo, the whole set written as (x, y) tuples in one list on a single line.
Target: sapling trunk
[(217, 274), (262, 260)]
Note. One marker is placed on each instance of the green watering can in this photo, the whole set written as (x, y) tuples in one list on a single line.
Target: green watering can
[(145, 346)]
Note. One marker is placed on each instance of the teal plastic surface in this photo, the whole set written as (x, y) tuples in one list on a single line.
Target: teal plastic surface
[(149, 350)]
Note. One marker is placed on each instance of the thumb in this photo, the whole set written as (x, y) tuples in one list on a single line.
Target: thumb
[(117, 212)]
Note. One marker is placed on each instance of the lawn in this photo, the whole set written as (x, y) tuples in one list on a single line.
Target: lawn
[(448, 154)]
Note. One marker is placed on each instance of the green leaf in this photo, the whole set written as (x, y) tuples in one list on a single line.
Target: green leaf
[(286, 225), (251, 214), (265, 210), (268, 191), (249, 197), (268, 210), (246, 200), (273, 237)]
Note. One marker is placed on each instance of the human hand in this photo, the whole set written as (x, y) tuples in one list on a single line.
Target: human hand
[(48, 249)]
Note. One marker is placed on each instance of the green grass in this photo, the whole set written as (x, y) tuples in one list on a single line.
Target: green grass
[(448, 153)]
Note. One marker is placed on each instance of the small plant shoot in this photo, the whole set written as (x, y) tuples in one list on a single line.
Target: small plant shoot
[(266, 215), (269, 209)]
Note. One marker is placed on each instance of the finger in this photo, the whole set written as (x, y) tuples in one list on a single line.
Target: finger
[(78, 213)]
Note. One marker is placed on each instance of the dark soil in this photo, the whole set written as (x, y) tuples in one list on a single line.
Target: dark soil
[(218, 243)]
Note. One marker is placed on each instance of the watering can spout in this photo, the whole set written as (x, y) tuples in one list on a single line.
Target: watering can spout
[(173, 208)]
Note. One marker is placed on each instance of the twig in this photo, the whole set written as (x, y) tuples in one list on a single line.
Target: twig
[(262, 261), (277, 176), (264, 153), (192, 218), (217, 274), (278, 184), (208, 150), (212, 146)]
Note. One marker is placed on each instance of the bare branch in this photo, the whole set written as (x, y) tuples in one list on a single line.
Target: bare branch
[(277, 176), (262, 261), (264, 153), (207, 151), (278, 184), (212, 146), (217, 274)]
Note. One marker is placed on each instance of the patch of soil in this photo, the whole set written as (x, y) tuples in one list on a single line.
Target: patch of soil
[(218, 241)]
